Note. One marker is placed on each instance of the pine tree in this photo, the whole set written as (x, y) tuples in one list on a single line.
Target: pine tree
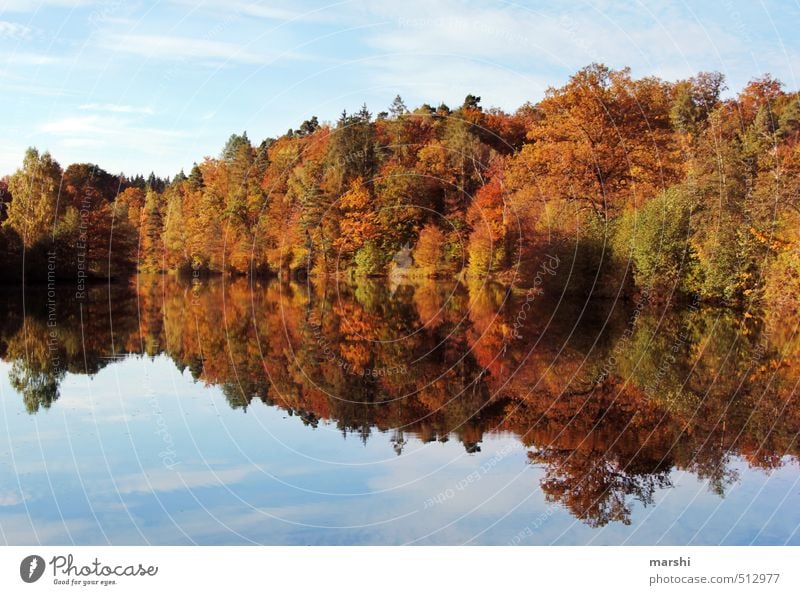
[(398, 108), (151, 252)]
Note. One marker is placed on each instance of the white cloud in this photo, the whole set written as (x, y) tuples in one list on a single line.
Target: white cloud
[(116, 108), (12, 497), (556, 41), (82, 143), (36, 5), (22, 529), (33, 89), (80, 125), (164, 480), (106, 126), (27, 59), (267, 12), (274, 10), (163, 47), (134, 146), (9, 30), (570, 37)]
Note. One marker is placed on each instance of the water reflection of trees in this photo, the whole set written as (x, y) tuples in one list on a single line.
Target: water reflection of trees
[(606, 403), (36, 367), (43, 340)]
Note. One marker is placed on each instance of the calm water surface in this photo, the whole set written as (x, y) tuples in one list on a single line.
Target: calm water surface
[(225, 412)]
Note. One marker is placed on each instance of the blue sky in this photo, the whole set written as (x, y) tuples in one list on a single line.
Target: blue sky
[(141, 86)]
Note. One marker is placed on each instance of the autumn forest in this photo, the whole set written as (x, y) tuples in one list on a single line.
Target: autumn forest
[(635, 186)]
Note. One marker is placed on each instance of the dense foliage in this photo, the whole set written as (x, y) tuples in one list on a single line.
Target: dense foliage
[(634, 184)]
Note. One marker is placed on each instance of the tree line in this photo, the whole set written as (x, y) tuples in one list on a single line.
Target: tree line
[(656, 187)]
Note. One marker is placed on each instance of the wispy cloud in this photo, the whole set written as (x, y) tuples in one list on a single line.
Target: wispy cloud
[(22, 528), (99, 132), (164, 47), (34, 89), (551, 39), (116, 108), (12, 497), (82, 143), (35, 5), (275, 10), (164, 480), (29, 59), (79, 125), (9, 30), (122, 131), (569, 37)]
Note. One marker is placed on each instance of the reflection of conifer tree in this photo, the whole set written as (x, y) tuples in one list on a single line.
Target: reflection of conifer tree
[(37, 365), (398, 441), (236, 397), (39, 387)]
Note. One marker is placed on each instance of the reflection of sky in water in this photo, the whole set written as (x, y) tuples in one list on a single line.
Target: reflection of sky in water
[(95, 468)]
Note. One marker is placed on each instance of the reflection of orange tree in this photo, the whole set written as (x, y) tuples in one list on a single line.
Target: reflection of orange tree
[(615, 442), (488, 334), (429, 302), (601, 450), (595, 487), (217, 338), (150, 339), (606, 441)]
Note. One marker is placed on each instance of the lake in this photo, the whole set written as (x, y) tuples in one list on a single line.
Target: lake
[(230, 411)]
